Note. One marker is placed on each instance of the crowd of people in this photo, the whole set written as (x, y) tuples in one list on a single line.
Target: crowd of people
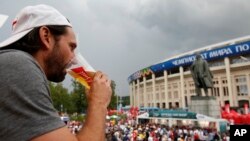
[(159, 132), (124, 131)]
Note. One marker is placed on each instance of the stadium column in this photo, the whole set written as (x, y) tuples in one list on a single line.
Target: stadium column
[(166, 88), (248, 84), (220, 91), (182, 96), (131, 94), (229, 82), (153, 86), (144, 92), (138, 93), (134, 94)]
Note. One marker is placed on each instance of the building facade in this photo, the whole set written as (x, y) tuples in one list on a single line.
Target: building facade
[(169, 84)]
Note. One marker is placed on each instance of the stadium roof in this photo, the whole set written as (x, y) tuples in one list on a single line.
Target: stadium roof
[(238, 46)]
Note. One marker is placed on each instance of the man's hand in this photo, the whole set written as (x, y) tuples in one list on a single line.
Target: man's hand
[(100, 91)]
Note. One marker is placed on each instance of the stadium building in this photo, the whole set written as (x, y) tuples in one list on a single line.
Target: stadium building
[(169, 84)]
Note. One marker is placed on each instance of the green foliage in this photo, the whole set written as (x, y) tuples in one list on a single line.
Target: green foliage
[(125, 100), (113, 102), (67, 102), (60, 97), (77, 117), (76, 100), (78, 97)]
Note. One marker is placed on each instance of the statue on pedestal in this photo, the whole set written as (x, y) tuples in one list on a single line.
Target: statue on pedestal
[(202, 75)]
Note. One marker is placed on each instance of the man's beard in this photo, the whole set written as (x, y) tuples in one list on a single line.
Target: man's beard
[(55, 65)]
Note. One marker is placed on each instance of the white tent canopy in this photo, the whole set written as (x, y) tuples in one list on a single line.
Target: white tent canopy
[(199, 118)]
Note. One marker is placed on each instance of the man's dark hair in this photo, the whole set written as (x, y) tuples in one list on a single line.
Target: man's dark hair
[(31, 42)]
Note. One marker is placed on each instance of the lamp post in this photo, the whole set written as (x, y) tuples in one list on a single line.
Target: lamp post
[(61, 108), (118, 101)]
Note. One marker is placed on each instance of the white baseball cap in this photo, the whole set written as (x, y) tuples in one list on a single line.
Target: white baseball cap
[(34, 16)]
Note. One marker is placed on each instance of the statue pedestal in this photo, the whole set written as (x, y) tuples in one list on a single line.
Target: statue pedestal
[(206, 105)]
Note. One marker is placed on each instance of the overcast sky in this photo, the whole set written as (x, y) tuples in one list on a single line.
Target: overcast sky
[(121, 37)]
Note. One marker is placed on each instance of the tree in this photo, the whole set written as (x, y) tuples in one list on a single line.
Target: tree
[(60, 97), (113, 102), (76, 100), (125, 100), (78, 97)]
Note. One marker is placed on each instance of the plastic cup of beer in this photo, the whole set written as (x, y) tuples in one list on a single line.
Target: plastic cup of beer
[(81, 70)]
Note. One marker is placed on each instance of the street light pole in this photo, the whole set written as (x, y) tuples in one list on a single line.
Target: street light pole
[(117, 103)]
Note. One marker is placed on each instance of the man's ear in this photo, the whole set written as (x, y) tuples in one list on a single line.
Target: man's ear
[(46, 37)]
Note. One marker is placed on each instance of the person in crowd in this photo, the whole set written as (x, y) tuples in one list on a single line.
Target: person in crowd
[(40, 48)]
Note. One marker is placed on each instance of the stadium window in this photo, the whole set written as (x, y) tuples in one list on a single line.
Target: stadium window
[(158, 105), (157, 96), (141, 79), (148, 77), (177, 104), (241, 85), (186, 101), (169, 95), (149, 89), (163, 105), (240, 59), (135, 81), (186, 69), (173, 71), (236, 61), (170, 105), (214, 82), (163, 95), (175, 94), (242, 90), (159, 74), (185, 85), (240, 79), (157, 88), (216, 63), (218, 91), (192, 92), (213, 92), (162, 87), (175, 85), (225, 91)]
